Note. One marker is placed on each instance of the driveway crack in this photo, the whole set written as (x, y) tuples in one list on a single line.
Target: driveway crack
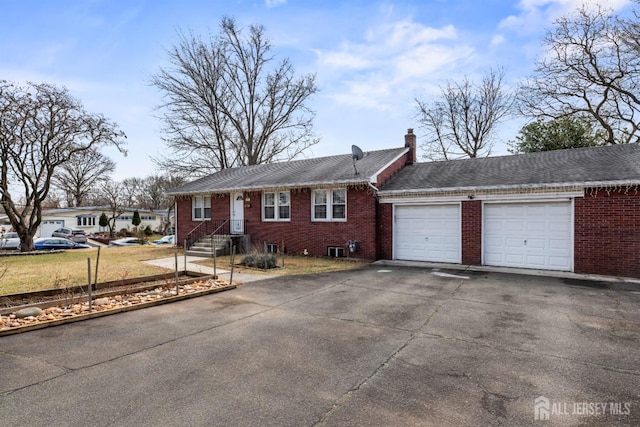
[(412, 336)]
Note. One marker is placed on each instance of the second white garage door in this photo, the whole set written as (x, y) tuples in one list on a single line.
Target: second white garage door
[(528, 235), (427, 233)]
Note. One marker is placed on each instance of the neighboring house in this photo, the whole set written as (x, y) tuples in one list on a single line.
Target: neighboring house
[(88, 219), (570, 210)]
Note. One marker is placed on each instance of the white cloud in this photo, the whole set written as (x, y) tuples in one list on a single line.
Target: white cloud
[(536, 14), (497, 40), (274, 3), (392, 59)]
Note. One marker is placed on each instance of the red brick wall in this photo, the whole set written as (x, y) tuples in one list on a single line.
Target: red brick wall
[(385, 231), (300, 233), (607, 233), (220, 209), (472, 232), (389, 172)]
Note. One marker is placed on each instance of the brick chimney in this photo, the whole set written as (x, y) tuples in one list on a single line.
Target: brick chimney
[(410, 141)]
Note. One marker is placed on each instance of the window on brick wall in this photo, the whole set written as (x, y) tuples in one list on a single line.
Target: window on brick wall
[(276, 206), (201, 208), (329, 205)]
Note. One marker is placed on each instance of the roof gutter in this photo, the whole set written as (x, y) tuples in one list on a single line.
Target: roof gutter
[(426, 191), (320, 184)]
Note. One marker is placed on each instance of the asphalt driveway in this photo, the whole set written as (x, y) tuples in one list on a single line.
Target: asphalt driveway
[(380, 346)]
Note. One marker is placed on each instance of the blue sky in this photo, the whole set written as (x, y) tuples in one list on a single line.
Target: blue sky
[(372, 58)]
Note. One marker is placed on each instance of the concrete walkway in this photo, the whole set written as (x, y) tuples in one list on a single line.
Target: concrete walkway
[(240, 275)]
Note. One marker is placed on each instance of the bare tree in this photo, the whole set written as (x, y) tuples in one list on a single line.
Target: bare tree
[(226, 103), (132, 192), (79, 176), (111, 196), (155, 188), (41, 128), (462, 122), (591, 68)]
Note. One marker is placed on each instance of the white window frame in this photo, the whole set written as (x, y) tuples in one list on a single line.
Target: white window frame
[(277, 206), (329, 204), (205, 203), (85, 221)]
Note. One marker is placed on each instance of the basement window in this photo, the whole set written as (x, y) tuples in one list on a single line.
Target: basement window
[(271, 248), (335, 252)]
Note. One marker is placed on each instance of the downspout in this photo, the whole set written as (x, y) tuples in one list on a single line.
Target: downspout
[(377, 243)]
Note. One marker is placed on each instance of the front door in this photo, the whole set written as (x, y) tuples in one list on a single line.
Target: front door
[(237, 213)]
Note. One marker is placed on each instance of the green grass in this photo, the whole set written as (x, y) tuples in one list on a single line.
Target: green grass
[(55, 271)]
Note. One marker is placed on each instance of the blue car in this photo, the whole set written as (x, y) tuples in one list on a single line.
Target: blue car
[(51, 243)]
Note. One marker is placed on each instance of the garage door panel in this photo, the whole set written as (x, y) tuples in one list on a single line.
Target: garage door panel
[(536, 226), (427, 233), (559, 244), (528, 235), (560, 263), (513, 259), (512, 226), (536, 244), (560, 227), (513, 243), (535, 261)]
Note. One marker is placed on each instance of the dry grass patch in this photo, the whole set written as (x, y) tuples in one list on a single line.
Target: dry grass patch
[(292, 265), (67, 269)]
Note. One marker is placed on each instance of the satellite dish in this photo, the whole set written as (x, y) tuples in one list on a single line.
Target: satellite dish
[(357, 152), (357, 155)]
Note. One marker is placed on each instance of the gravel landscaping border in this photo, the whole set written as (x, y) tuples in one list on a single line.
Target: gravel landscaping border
[(53, 313)]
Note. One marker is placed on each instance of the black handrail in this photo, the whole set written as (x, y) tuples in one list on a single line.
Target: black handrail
[(212, 228)]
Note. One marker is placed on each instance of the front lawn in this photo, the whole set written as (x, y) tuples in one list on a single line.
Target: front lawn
[(28, 273)]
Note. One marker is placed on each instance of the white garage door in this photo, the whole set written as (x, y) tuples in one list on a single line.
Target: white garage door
[(49, 226), (528, 235), (427, 233)]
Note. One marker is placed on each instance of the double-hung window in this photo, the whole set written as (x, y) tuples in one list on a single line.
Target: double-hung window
[(201, 208), (276, 206), (329, 205)]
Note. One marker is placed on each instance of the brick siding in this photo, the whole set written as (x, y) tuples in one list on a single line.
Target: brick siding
[(472, 232), (300, 232), (607, 233)]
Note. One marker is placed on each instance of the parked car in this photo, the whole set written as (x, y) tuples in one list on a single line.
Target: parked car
[(128, 241), (166, 240), (10, 240), (75, 234), (50, 243)]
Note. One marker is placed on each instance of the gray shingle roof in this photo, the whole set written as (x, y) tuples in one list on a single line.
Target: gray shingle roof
[(297, 173), (598, 165)]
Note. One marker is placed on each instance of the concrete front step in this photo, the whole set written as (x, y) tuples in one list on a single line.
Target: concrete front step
[(208, 253), (205, 246)]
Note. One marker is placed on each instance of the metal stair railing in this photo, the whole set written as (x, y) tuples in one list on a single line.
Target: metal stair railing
[(211, 228)]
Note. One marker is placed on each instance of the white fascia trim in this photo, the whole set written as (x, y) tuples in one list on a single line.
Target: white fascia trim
[(573, 185), (374, 177), (560, 195), (422, 200), (539, 197)]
